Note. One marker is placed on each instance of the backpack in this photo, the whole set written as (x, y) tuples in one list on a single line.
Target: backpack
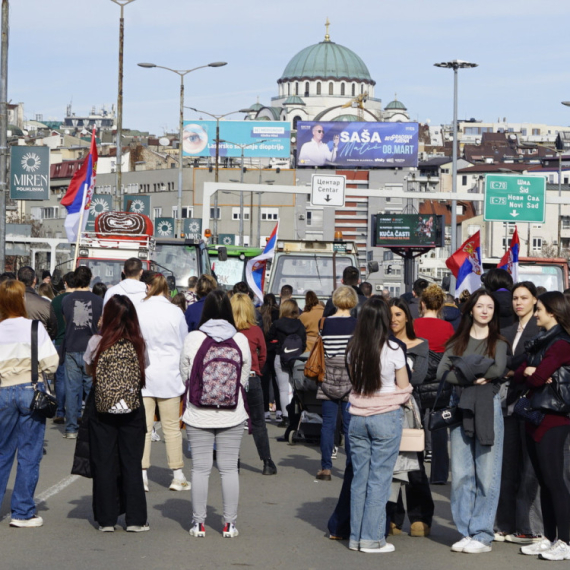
[(215, 379), (291, 349), (118, 379)]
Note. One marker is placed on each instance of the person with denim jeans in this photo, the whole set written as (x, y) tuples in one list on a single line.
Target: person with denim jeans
[(476, 443), (380, 386), (21, 430), (82, 311)]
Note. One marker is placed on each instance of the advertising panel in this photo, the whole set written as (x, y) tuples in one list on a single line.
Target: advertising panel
[(265, 139), (99, 204), (29, 173), (164, 227), (408, 230), (193, 228), (359, 144), (137, 204)]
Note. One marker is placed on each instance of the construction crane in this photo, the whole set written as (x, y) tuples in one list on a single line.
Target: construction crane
[(358, 103)]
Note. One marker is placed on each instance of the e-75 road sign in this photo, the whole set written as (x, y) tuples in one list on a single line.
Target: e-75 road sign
[(512, 198)]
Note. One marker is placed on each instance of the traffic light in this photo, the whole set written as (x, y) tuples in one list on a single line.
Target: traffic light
[(244, 169), (389, 269)]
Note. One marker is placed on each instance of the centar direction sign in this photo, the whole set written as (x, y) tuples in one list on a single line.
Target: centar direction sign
[(328, 190)]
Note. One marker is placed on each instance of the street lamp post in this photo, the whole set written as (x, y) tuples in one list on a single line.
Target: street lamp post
[(567, 104), (456, 64), (216, 167), (181, 73), (119, 158), (4, 130)]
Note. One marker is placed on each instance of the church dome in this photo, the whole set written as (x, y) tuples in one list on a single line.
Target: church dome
[(326, 60), (395, 105)]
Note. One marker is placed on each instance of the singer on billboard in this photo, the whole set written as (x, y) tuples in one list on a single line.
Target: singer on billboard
[(316, 152)]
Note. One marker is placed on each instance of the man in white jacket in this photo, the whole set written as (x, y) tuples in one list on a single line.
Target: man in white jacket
[(131, 286)]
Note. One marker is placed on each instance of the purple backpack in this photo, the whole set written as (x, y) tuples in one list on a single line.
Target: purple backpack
[(215, 379)]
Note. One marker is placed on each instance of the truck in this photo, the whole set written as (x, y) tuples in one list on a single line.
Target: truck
[(229, 263), (119, 236), (310, 266)]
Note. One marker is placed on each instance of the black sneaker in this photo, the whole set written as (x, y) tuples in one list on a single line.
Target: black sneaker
[(269, 468)]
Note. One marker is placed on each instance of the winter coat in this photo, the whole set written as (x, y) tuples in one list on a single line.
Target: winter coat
[(39, 309), (311, 321)]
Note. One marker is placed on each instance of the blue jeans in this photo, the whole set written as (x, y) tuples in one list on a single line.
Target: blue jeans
[(330, 414), (77, 385), (22, 431), (60, 387), (476, 480), (374, 443)]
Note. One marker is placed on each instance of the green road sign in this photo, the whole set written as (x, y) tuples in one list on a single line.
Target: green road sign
[(511, 198)]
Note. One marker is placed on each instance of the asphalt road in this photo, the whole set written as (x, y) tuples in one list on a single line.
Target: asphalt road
[(282, 522)]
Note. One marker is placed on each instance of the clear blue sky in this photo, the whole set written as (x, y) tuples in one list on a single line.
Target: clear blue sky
[(66, 50)]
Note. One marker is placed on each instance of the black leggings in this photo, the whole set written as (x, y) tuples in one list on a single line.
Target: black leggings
[(547, 458)]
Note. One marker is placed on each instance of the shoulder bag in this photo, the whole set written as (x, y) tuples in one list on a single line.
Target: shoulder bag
[(315, 365), (413, 439), (44, 403), (524, 410), (447, 417)]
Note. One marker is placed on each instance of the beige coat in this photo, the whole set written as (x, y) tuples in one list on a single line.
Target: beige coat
[(311, 320)]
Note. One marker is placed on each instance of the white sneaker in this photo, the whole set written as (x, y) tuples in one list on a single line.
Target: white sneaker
[(560, 550), (278, 416), (537, 547), (267, 416), (107, 528), (180, 485), (476, 547), (334, 453), (198, 529), (154, 436), (35, 521), (381, 550), (230, 531), (138, 528), (460, 545)]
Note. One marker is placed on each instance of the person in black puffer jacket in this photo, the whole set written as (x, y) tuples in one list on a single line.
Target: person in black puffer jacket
[(500, 283), (287, 324)]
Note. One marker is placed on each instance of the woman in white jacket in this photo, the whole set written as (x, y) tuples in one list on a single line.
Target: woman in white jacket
[(207, 426), (164, 330)]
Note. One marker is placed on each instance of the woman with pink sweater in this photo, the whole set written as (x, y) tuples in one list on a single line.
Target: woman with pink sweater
[(380, 387)]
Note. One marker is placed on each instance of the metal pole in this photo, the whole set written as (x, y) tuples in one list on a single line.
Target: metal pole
[(259, 219), (119, 159), (559, 205), (241, 201), (454, 179), (216, 178), (181, 155), (4, 129)]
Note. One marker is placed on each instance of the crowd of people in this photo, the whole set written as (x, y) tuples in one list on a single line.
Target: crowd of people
[(485, 376)]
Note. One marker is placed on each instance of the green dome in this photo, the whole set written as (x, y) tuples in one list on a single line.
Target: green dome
[(395, 105), (346, 118), (294, 100), (256, 106), (326, 60)]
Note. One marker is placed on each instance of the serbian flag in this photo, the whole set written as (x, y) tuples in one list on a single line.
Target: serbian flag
[(255, 268), (466, 265), (79, 194), (510, 261)]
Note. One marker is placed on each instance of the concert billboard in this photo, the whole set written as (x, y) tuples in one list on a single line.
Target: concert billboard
[(358, 144)]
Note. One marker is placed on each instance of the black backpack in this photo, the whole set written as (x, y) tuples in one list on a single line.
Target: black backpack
[(291, 349)]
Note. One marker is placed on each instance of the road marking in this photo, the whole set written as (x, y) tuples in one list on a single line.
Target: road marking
[(54, 490)]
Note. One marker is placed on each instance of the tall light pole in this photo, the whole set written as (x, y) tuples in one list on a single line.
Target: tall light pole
[(4, 129), (216, 167), (119, 159), (456, 64), (181, 73), (567, 104)]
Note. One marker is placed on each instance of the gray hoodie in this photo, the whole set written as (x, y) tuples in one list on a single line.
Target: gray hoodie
[(134, 289), (218, 329)]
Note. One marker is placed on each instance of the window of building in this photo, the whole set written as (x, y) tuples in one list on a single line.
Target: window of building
[(288, 89), (536, 132), (187, 212), (523, 132), (536, 244), (331, 88), (445, 170), (536, 226), (318, 87), (175, 212), (388, 256), (50, 213), (295, 121), (213, 212), (353, 89), (315, 218), (269, 214), (509, 226), (361, 88), (342, 88), (565, 222), (157, 213), (296, 88), (460, 209), (306, 88), (464, 180), (235, 214)]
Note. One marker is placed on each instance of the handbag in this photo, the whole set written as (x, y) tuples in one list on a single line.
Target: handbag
[(413, 439), (447, 417), (315, 365), (44, 403), (551, 398), (524, 410)]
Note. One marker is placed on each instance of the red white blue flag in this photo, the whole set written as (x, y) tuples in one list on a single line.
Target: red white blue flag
[(256, 267), (80, 192), (510, 261), (466, 265)]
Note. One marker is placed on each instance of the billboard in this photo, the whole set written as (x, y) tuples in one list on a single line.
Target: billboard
[(266, 139), (100, 203), (29, 173), (408, 230), (359, 144), (137, 204)]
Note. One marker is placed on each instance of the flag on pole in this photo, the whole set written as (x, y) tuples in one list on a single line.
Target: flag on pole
[(510, 261), (466, 264), (79, 194), (255, 268)]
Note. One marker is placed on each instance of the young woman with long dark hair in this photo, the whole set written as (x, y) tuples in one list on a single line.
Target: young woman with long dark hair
[(548, 362), (380, 386), (311, 316), (207, 427), (269, 312), (476, 443), (117, 359), (518, 515)]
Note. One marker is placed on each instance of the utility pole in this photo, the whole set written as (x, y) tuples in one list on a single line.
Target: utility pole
[(4, 129)]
